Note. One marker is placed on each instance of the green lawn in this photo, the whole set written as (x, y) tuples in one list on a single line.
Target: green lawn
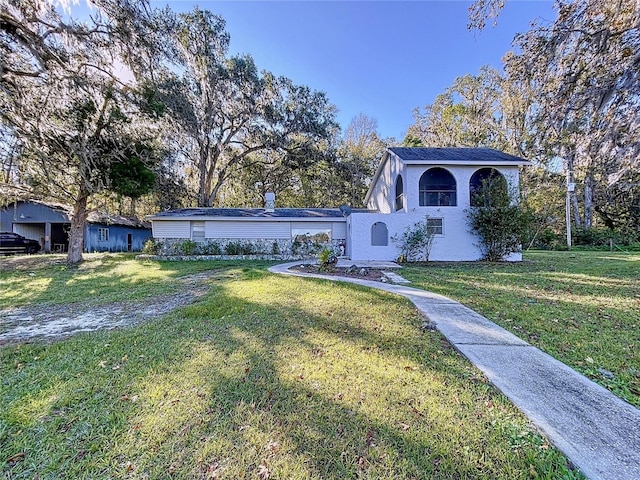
[(264, 377), (581, 307)]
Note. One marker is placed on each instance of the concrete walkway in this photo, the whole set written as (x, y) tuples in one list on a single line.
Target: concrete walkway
[(597, 431)]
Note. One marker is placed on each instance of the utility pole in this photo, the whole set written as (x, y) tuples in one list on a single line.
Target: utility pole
[(571, 186)]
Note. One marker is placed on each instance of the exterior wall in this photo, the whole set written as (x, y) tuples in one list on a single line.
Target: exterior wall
[(456, 243), (26, 212), (462, 174), (244, 229), (383, 193), (34, 231), (265, 236), (171, 228), (118, 238)]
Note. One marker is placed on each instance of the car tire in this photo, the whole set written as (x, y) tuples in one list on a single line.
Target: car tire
[(31, 250)]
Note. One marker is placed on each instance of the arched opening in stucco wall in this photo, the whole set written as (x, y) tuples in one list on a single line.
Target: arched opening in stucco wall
[(379, 235), (485, 177), (399, 193), (437, 188)]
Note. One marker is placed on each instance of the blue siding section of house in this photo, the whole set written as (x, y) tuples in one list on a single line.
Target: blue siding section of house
[(118, 238), (25, 212)]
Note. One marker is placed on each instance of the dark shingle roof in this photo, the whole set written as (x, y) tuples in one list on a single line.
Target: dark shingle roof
[(251, 213), (454, 154)]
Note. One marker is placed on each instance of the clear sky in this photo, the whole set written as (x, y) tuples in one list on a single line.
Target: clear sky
[(380, 58)]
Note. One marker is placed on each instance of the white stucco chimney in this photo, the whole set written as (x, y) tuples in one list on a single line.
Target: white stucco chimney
[(270, 202)]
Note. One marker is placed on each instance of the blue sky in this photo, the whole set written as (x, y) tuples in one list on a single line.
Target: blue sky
[(380, 58)]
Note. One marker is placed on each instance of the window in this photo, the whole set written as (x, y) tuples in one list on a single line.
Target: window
[(197, 231), (103, 234), (489, 177), (314, 235), (435, 226), (437, 188), (399, 194), (379, 235)]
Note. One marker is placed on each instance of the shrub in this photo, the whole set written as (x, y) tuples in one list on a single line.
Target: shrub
[(327, 259), (233, 248), (188, 247), (239, 248), (498, 222), (416, 242), (211, 248), (151, 247)]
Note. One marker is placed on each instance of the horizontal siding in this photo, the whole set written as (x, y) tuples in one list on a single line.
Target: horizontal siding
[(240, 229), (339, 230), (34, 232), (312, 225), (172, 229)]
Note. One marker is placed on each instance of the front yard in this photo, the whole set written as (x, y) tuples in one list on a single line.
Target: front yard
[(262, 377), (583, 308)]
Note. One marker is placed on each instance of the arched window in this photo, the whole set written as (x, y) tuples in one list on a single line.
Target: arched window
[(484, 180), (379, 235), (399, 193), (437, 188)]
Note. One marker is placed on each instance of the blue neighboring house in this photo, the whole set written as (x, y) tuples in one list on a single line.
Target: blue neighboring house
[(49, 224)]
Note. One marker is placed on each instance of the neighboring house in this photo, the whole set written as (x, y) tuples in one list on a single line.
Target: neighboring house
[(410, 185), (49, 224)]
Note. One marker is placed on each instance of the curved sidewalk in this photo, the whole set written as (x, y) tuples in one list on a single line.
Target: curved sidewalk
[(597, 431)]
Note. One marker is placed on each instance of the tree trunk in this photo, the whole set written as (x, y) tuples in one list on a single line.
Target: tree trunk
[(588, 201), (76, 235), (577, 219)]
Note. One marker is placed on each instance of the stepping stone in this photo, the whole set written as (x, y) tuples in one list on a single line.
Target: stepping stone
[(395, 278)]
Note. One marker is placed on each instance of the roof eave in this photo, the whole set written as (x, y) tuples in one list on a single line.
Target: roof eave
[(251, 219), (506, 163), (374, 180)]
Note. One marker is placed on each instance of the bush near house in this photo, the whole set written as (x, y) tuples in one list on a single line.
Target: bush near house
[(497, 220), (415, 242)]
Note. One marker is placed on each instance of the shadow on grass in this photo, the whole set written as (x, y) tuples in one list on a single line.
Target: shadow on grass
[(266, 376), (102, 278), (581, 308)]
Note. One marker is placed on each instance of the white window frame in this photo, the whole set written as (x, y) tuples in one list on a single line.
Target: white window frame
[(438, 227), (103, 234), (198, 231)]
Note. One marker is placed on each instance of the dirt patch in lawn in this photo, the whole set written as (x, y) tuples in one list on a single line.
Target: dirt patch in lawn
[(52, 322)]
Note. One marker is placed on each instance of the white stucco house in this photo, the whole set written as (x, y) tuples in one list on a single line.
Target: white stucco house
[(409, 185)]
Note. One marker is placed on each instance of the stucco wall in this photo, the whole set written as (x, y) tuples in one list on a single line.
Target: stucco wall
[(456, 243), (383, 193)]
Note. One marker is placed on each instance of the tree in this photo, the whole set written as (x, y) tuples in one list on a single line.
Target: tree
[(226, 111), (481, 10), (469, 113), (584, 70), (358, 156), (67, 109)]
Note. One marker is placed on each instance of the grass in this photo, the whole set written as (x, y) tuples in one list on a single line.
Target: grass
[(583, 308), (265, 377), (101, 279)]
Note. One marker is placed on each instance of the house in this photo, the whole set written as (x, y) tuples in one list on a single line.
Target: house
[(410, 185), (49, 224), (298, 231), (414, 183)]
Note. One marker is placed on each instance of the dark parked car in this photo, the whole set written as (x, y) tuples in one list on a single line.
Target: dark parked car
[(14, 243)]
